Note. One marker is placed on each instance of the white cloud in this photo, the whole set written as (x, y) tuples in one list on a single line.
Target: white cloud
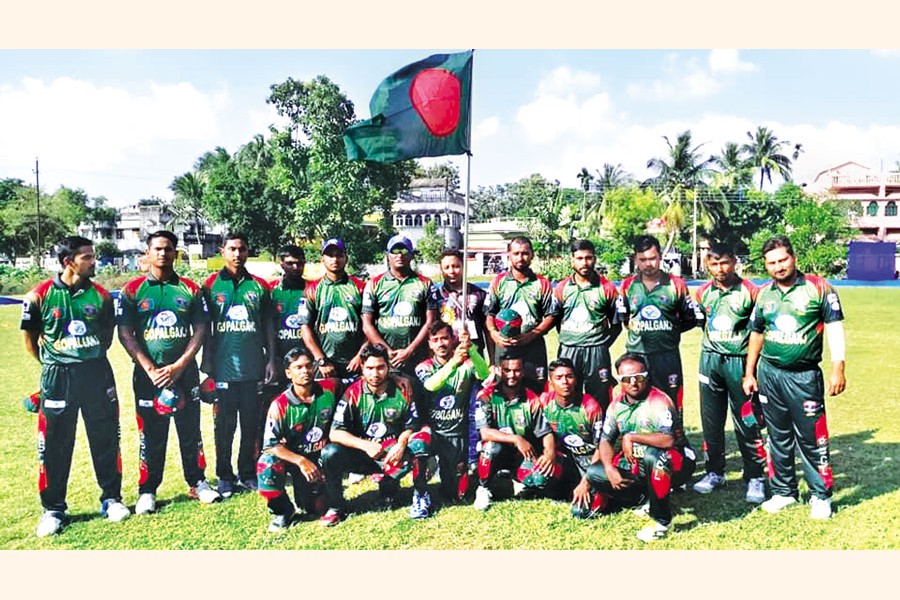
[(728, 61), (486, 128), (563, 81), (691, 78)]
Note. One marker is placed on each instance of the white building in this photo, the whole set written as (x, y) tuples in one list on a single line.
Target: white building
[(430, 200)]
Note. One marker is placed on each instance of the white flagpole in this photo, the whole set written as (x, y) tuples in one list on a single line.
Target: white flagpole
[(465, 253)]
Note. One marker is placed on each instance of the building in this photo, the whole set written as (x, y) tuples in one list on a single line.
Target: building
[(428, 200), (488, 242)]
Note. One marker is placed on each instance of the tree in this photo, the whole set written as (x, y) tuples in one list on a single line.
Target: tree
[(188, 204), (765, 153), (446, 171), (431, 245), (611, 176), (735, 171), (626, 211)]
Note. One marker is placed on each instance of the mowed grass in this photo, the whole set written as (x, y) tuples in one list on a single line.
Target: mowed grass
[(865, 434)]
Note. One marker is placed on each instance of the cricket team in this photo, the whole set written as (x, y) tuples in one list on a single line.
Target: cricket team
[(337, 379)]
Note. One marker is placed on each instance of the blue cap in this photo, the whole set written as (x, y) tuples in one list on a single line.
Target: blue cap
[(400, 240), (335, 243)]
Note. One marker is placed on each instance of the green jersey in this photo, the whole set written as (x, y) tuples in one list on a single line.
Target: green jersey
[(239, 308), (726, 315), (162, 313), (657, 317), (518, 416), (576, 426), (654, 414), (288, 307), (588, 311), (76, 323), (399, 306), (792, 322), (447, 391), (301, 426), (333, 310), (377, 418), (532, 298)]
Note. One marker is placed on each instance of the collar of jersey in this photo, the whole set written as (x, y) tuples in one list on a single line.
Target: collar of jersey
[(289, 284), (59, 283), (151, 280), (242, 274), (531, 277)]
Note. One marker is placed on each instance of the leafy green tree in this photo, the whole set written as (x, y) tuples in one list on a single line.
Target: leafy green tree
[(107, 249), (447, 171), (626, 211), (765, 153), (430, 246), (734, 169), (188, 203)]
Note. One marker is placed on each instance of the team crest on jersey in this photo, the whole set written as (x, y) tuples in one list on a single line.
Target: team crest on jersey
[(325, 413), (77, 327), (769, 307), (391, 414), (166, 318), (181, 302), (376, 430), (650, 313), (447, 402), (145, 305), (251, 296), (220, 298), (314, 435), (56, 313), (663, 298), (293, 321), (89, 310), (573, 441)]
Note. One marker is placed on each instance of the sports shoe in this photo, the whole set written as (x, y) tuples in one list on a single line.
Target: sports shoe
[(226, 488), (355, 478), (280, 522), (146, 504), (421, 505), (51, 523), (709, 482), (652, 531), (756, 490), (331, 517), (777, 503), (114, 510), (204, 492), (819, 508), (643, 510), (482, 498), (249, 485)]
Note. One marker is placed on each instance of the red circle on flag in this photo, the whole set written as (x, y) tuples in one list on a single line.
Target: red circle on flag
[(435, 94)]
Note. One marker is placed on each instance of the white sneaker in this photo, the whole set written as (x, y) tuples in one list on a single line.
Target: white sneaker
[(710, 482), (115, 511), (777, 503), (51, 523), (756, 490), (643, 510), (819, 508), (355, 478), (482, 498), (145, 505), (653, 531), (204, 493), (518, 488)]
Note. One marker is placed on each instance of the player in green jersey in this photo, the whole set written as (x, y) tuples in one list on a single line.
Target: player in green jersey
[(297, 427), (589, 322), (68, 326), (785, 349), (163, 319), (239, 355), (725, 302), (449, 377), (288, 303), (331, 321)]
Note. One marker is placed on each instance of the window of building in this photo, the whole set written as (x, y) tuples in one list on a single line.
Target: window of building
[(418, 221), (437, 220), (398, 220), (408, 221), (872, 209), (890, 210), (120, 235)]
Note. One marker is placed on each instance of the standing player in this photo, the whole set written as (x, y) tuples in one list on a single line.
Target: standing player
[(163, 320), (375, 431), (68, 323), (453, 307), (288, 303), (331, 321), (791, 313), (575, 420), (530, 295), (506, 414), (657, 308), (726, 302), (654, 456), (589, 324), (395, 309), (448, 377), (239, 355), (297, 427)]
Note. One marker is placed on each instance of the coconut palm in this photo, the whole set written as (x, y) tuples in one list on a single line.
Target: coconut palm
[(766, 154), (188, 203), (612, 176), (735, 171)]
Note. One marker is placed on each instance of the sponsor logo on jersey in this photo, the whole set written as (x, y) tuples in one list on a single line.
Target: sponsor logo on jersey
[(786, 323), (721, 323), (338, 313), (665, 418), (144, 403), (376, 430), (402, 309), (166, 318), (391, 414), (314, 435), (573, 441), (447, 402), (293, 321), (55, 404), (238, 312), (77, 327), (579, 313), (650, 313)]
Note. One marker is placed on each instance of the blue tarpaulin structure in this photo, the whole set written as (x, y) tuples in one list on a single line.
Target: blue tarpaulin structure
[(871, 261)]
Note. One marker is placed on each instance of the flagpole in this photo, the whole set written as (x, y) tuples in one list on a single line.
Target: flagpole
[(465, 254)]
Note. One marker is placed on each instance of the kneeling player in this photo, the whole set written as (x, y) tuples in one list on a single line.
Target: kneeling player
[(448, 378), (373, 432), (506, 414), (296, 430), (654, 455), (575, 420)]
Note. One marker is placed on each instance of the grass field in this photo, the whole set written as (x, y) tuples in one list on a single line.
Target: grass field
[(865, 436)]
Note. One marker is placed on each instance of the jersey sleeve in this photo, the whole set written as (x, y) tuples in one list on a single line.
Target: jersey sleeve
[(199, 308), (345, 417), (273, 433), (757, 322), (664, 417), (831, 305), (492, 298), (307, 310), (483, 414), (369, 302), (31, 313), (126, 307), (550, 306), (542, 425), (610, 432)]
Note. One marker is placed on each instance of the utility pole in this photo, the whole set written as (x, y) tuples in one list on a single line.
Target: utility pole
[(37, 188)]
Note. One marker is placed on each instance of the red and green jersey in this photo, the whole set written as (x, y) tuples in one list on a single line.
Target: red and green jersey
[(654, 414), (576, 426), (518, 416), (399, 306), (301, 425), (333, 310), (447, 408), (288, 306), (162, 313), (792, 322), (588, 311), (239, 308), (450, 306), (76, 323), (377, 418), (532, 298), (656, 317), (726, 316)]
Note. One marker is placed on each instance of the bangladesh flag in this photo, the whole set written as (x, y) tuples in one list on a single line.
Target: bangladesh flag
[(421, 110)]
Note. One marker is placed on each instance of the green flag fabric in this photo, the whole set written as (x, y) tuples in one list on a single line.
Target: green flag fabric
[(421, 110)]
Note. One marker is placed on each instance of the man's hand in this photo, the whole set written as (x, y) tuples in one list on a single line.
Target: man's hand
[(160, 377), (499, 339), (354, 365), (837, 383), (395, 454), (581, 495), (399, 357), (523, 339), (544, 465), (309, 469), (327, 370), (460, 354), (524, 448), (749, 384), (271, 371), (628, 448), (616, 480), (372, 449)]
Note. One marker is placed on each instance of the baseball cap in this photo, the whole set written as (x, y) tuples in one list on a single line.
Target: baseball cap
[(399, 240), (334, 242)]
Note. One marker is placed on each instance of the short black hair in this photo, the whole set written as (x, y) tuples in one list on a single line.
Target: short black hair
[(583, 245), (295, 353), (376, 350), (778, 241), (520, 239), (438, 326), (291, 250), (235, 235), (163, 233), (642, 243), (720, 249), (561, 362), (512, 354), (451, 252), (68, 247), (634, 357)]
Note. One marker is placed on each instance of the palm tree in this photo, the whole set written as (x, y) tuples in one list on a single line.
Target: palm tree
[(735, 171), (188, 203), (765, 151), (585, 177)]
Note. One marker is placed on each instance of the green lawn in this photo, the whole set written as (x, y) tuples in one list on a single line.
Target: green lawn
[(865, 433)]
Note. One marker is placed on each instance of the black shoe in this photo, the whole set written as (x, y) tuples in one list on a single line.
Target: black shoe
[(249, 485), (225, 488)]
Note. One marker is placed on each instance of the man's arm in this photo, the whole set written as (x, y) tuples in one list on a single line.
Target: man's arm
[(837, 382), (128, 339), (544, 463), (345, 438), (32, 345), (489, 434), (310, 470), (371, 331), (539, 330), (269, 329), (754, 348), (606, 454)]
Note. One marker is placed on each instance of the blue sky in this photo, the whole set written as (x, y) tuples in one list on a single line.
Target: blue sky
[(124, 123)]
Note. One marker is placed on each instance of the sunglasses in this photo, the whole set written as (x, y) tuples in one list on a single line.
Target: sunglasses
[(633, 379), (400, 250)]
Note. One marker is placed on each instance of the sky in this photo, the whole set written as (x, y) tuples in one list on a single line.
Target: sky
[(124, 123)]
